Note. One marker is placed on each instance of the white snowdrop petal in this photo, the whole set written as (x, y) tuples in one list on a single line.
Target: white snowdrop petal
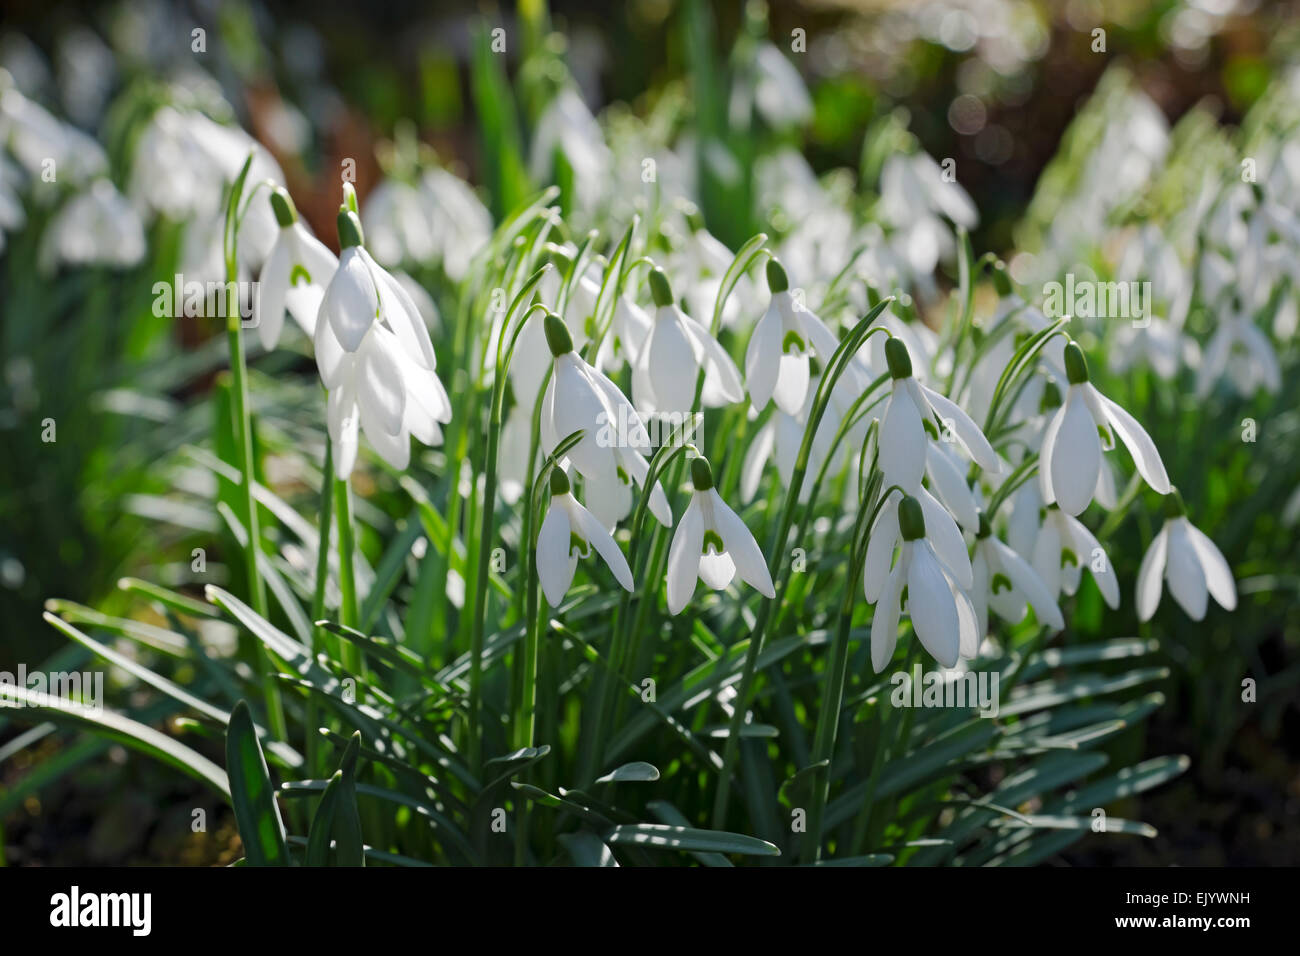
[(1091, 553), (672, 366), (1076, 456), (379, 385), (1183, 570), (884, 626), (1145, 454), (717, 569), (931, 607), (351, 302), (595, 534), (965, 429), (1046, 453), (1218, 575), (945, 538), (343, 419), (1151, 575), (792, 383), (950, 487), (902, 441), (969, 635), (880, 549), (684, 557), (268, 299), (554, 569), (742, 547), (1026, 580)]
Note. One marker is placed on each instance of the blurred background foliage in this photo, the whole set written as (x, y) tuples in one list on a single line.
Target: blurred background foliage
[(993, 84)]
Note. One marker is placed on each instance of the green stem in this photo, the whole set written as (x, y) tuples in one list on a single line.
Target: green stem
[(777, 563), (349, 653), (318, 596), (244, 436)]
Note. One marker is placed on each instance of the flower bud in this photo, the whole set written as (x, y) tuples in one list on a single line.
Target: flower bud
[(777, 280), (349, 225), (897, 358), (557, 335), (911, 521), (285, 214), (701, 474), (660, 289), (1076, 366)]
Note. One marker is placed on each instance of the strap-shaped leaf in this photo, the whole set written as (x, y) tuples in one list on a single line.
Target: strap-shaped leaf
[(251, 793)]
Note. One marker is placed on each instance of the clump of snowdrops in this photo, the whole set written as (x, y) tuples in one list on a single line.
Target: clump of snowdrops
[(609, 545)]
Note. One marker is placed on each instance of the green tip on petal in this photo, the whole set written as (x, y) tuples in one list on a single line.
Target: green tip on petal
[(559, 482), (1076, 366), (557, 335), (285, 214), (777, 280), (898, 359), (350, 233), (350, 198), (701, 474), (1174, 507), (660, 289), (911, 521), (985, 528)]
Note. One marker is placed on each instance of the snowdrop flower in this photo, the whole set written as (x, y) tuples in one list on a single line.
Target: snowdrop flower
[(95, 227), (780, 95), (913, 410), (581, 398), (675, 350), (713, 545), (1070, 458), (295, 275), (1242, 353), (776, 360), (942, 615), (1194, 566), (438, 219), (43, 144), (1062, 549), (942, 533), (568, 532), (1006, 583), (184, 160), (567, 127), (376, 361)]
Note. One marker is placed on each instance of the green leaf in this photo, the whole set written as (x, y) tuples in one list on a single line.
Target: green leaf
[(587, 849), (661, 836), (637, 770), (251, 794), (113, 726)]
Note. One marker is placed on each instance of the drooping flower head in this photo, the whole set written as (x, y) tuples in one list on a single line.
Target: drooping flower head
[(376, 360), (713, 545), (1070, 458), (568, 532), (1194, 567), (296, 273)]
